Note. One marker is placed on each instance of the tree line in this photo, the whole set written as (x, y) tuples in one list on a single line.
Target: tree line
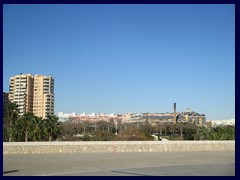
[(103, 130), (28, 127), (32, 128)]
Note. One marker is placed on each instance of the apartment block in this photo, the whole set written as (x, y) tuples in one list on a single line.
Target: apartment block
[(43, 95), (20, 92), (32, 94)]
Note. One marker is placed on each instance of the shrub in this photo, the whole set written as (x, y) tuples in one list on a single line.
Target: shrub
[(133, 135)]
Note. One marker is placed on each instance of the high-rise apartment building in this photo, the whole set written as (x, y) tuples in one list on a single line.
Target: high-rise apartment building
[(43, 95), (20, 92), (32, 94)]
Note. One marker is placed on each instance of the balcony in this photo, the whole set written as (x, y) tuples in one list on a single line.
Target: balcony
[(21, 104)]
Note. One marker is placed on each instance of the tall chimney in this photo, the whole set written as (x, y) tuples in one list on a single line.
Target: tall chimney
[(174, 119)]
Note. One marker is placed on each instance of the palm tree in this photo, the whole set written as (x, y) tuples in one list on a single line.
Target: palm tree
[(19, 132), (12, 117), (38, 128), (26, 122), (52, 126)]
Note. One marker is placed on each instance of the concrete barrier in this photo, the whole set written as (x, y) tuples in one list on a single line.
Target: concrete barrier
[(114, 146)]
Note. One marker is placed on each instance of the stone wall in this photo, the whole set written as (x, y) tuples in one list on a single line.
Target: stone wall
[(115, 146)]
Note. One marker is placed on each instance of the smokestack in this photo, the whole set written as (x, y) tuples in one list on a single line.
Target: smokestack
[(174, 119)]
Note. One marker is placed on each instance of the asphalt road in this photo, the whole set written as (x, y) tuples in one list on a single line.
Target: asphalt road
[(218, 163)]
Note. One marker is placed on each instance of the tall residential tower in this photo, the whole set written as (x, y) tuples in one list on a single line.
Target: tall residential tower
[(33, 94)]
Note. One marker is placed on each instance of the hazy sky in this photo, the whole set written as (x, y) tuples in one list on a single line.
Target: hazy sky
[(126, 58)]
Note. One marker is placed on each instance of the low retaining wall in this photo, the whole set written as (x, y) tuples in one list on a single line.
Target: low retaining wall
[(115, 146)]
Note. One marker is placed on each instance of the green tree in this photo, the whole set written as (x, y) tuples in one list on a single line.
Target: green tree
[(11, 115), (85, 125), (19, 131), (230, 132), (52, 126), (25, 125), (38, 128), (111, 125), (67, 129), (202, 133), (102, 125), (172, 128), (180, 127), (222, 133), (133, 135), (147, 127), (102, 136), (6, 103), (189, 130)]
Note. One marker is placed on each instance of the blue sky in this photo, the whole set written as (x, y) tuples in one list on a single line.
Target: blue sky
[(126, 58)]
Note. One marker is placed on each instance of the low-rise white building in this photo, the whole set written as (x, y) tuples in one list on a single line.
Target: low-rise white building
[(82, 114), (63, 116), (216, 123), (111, 115), (93, 114)]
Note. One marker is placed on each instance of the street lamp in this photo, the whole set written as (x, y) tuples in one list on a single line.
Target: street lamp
[(116, 127), (95, 126)]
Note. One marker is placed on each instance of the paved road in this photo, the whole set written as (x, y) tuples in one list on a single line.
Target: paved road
[(220, 163)]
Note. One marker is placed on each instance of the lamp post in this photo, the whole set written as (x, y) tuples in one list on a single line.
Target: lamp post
[(116, 127), (95, 126)]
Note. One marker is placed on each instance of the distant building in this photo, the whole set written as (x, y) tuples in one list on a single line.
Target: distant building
[(43, 96), (63, 117), (216, 123), (208, 123), (187, 116), (83, 114), (92, 114), (111, 115), (194, 117), (32, 94), (21, 92)]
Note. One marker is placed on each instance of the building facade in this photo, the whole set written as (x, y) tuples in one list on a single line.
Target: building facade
[(32, 94), (21, 92), (43, 95)]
